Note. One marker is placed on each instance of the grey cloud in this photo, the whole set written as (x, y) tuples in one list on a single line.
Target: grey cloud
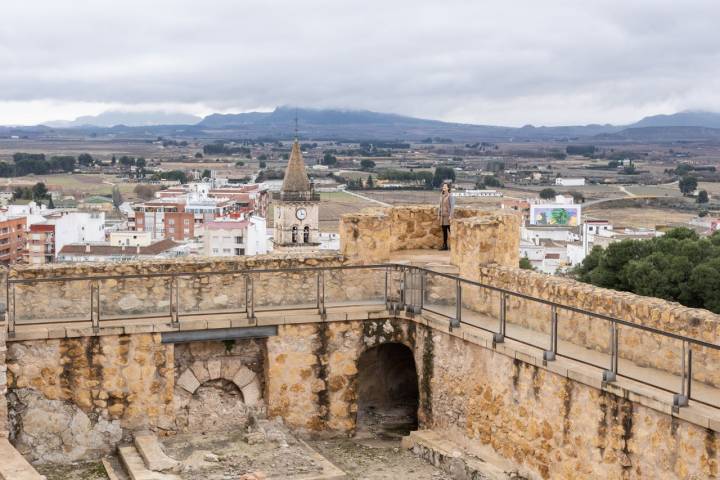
[(505, 61)]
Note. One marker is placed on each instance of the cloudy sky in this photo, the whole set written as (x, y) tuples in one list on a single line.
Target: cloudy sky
[(508, 62)]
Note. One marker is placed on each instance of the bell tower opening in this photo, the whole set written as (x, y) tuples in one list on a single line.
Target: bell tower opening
[(388, 396)]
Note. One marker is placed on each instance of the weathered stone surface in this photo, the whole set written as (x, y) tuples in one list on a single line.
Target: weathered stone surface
[(58, 431), (188, 381), (73, 398), (251, 393), (243, 377)]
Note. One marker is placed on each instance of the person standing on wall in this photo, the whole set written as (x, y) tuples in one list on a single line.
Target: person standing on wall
[(445, 212)]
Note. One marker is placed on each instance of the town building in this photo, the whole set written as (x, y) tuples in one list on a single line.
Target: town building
[(570, 182), (229, 237), (12, 239), (296, 209), (130, 239), (105, 252), (47, 238)]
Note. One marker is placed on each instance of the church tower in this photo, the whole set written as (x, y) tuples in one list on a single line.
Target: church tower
[(296, 209)]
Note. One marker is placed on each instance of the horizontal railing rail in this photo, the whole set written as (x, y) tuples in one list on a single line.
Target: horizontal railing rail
[(404, 288)]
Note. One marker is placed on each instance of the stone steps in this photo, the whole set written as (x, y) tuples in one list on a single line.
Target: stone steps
[(148, 445), (450, 457), (137, 469), (13, 466)]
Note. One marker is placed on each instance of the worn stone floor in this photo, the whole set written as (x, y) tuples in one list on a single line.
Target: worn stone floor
[(373, 454)]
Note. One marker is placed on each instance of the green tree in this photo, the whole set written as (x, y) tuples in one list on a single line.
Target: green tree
[(370, 183), (442, 175), (329, 159), (117, 198), (50, 204), (199, 155), (86, 159), (263, 164), (206, 174), (367, 164), (703, 197), (547, 193), (525, 264), (39, 191), (687, 184)]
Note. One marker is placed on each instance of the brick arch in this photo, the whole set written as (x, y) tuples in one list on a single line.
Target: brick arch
[(225, 368)]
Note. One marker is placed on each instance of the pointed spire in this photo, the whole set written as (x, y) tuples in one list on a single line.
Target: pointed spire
[(296, 179)]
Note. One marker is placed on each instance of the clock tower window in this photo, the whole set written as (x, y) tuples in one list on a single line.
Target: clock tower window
[(294, 234), (306, 234)]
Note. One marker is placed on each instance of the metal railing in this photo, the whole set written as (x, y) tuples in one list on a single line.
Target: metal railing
[(399, 288)]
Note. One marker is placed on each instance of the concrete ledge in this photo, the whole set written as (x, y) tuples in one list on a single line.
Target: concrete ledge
[(13, 466)]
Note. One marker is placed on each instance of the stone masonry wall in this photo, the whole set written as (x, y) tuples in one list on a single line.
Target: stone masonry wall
[(555, 427), (481, 235), (73, 399), (3, 380), (312, 370), (643, 348), (548, 424), (151, 295)]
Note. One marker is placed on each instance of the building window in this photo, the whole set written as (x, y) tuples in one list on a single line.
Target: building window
[(239, 251), (171, 221), (226, 250), (306, 234), (294, 234), (215, 250), (239, 240), (187, 221)]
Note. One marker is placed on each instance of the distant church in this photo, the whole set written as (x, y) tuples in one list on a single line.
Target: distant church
[(296, 209)]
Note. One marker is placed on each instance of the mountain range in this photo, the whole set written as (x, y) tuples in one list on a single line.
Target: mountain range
[(337, 124)]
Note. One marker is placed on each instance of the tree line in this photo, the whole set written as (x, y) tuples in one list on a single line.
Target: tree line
[(679, 266)]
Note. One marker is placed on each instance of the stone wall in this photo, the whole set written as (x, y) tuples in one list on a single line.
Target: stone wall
[(73, 399), (477, 235), (218, 385), (3, 379), (643, 348), (550, 425), (204, 291), (312, 370), (555, 427)]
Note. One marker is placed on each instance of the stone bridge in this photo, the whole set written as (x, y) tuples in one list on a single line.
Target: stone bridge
[(563, 379)]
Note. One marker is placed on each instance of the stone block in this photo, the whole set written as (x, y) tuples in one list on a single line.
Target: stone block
[(199, 368), (251, 393), (243, 377), (214, 368), (230, 366), (187, 381)]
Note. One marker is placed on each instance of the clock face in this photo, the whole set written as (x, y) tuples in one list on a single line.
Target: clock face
[(300, 213)]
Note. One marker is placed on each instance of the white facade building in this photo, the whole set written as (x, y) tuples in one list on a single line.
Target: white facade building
[(132, 239), (570, 182), (227, 237)]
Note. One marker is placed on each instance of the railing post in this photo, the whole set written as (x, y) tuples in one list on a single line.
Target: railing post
[(499, 337), (387, 295), (321, 293), (10, 306), (250, 298), (95, 305), (549, 355), (681, 399), (174, 299), (455, 322), (610, 375)]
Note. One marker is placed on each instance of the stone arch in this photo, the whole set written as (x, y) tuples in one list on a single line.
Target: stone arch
[(227, 368), (388, 394)]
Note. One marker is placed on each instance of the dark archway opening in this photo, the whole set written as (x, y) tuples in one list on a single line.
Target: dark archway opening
[(388, 396)]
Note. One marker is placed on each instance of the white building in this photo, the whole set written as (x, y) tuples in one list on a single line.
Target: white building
[(228, 237), (130, 239), (570, 182)]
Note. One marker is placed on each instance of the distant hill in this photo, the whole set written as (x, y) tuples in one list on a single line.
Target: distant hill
[(363, 124), (359, 125), (130, 119), (681, 119)]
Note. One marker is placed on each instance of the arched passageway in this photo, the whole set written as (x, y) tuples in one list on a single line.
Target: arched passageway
[(387, 391)]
